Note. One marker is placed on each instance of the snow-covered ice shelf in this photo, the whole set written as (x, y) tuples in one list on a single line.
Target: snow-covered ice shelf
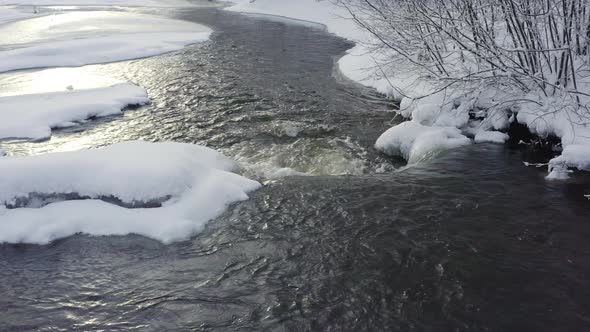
[(34, 115), (166, 191), (80, 38)]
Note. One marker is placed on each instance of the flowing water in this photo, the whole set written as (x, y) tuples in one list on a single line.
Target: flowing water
[(470, 241)]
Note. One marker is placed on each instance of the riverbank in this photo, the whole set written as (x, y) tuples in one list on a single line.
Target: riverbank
[(469, 241)]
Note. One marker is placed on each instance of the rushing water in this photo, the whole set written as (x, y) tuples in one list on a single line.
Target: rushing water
[(470, 241)]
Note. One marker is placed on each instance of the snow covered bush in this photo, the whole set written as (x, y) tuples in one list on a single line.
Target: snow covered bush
[(512, 45), (498, 61)]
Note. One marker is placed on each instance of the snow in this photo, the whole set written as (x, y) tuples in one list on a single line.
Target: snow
[(14, 14), (33, 115), (491, 137), (166, 191), (130, 3), (551, 117), (573, 156), (56, 79), (81, 38), (321, 12), (415, 142)]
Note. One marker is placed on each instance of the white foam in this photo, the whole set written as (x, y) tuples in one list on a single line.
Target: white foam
[(303, 157)]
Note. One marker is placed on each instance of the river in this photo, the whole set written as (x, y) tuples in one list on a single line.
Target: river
[(471, 240)]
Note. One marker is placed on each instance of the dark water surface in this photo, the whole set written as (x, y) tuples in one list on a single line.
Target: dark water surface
[(470, 241)]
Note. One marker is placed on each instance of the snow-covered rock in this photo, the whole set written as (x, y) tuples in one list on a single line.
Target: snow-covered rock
[(491, 137), (81, 38), (33, 116), (166, 191), (415, 142)]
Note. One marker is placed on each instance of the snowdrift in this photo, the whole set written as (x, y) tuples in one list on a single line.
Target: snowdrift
[(415, 142), (166, 191)]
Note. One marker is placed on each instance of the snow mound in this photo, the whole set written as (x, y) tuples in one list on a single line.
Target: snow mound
[(166, 191), (551, 117), (415, 142), (573, 156), (81, 38), (491, 137), (33, 116)]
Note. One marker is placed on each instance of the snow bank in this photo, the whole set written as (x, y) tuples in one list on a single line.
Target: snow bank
[(448, 108), (415, 142), (573, 156), (33, 116), (438, 112), (81, 38), (166, 191), (131, 3), (13, 14), (552, 117), (326, 13)]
